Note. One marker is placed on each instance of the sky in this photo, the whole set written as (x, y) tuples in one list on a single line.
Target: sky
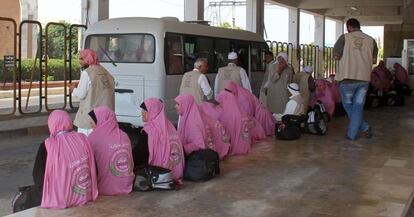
[(276, 17)]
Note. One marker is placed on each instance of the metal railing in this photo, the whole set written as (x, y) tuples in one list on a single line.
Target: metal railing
[(10, 68), (277, 47), (30, 77), (329, 62)]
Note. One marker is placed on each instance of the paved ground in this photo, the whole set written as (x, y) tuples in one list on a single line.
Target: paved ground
[(316, 176)]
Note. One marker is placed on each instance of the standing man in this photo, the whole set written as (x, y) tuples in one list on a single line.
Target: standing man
[(270, 67), (356, 53), (306, 84), (231, 72), (195, 82), (278, 80), (96, 88)]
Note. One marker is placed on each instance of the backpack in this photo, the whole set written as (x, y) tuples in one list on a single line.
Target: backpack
[(291, 127), (395, 99), (201, 165), (321, 108), (316, 123), (26, 198), (154, 177)]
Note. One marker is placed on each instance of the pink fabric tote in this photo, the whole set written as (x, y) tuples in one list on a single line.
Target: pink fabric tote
[(164, 145), (70, 173), (113, 154), (236, 122)]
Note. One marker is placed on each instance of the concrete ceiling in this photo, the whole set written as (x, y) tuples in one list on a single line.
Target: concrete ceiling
[(369, 12)]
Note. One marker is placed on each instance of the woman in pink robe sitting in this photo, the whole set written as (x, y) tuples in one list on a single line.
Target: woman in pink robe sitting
[(113, 154)]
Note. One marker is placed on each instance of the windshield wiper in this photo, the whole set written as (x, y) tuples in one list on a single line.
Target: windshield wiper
[(106, 54)]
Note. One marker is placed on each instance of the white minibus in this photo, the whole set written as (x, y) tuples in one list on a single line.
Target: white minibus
[(148, 56)]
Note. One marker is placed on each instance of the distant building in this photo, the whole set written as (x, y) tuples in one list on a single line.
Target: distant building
[(18, 10)]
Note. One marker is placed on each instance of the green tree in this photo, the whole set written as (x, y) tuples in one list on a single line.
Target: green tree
[(227, 25), (56, 39)]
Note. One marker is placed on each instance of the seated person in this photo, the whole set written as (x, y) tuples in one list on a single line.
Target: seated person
[(197, 130), (295, 105), (64, 170), (236, 121), (324, 94), (113, 155), (164, 146), (219, 135), (251, 104), (191, 128)]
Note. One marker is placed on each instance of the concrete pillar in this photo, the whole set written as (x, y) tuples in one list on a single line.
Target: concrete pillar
[(255, 16), (94, 11), (294, 33), (339, 29), (29, 31), (193, 10), (319, 41)]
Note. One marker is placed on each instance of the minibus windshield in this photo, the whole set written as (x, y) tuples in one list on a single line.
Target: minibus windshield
[(123, 48)]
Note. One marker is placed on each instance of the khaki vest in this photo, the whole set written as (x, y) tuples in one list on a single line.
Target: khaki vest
[(300, 107), (356, 60), (226, 74), (189, 84), (101, 92)]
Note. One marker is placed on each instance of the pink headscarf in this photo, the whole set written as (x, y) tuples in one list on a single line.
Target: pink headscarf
[(335, 89), (384, 76), (164, 145), (89, 57), (401, 74), (191, 127), (70, 173), (324, 94), (210, 109), (261, 116), (236, 122), (113, 154)]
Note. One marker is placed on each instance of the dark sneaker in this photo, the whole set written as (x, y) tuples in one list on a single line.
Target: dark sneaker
[(368, 133)]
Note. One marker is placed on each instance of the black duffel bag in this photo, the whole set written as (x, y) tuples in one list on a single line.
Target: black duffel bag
[(201, 165)]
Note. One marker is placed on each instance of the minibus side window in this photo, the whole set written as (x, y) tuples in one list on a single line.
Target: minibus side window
[(174, 54), (222, 48), (242, 50), (257, 57), (198, 47)]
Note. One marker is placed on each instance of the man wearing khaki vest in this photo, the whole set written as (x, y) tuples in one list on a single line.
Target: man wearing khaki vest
[(96, 88), (195, 82), (356, 53), (231, 72), (306, 84)]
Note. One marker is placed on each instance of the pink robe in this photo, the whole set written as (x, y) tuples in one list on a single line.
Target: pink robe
[(113, 154), (335, 89), (214, 128), (324, 94), (264, 121), (401, 74), (191, 127), (70, 173), (384, 76), (164, 145), (246, 103), (236, 122)]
